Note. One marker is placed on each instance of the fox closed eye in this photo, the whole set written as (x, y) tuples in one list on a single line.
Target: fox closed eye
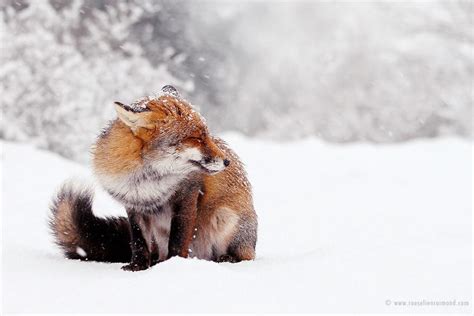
[(196, 139)]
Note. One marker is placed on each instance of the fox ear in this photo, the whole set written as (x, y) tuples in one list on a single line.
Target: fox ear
[(169, 89), (133, 119)]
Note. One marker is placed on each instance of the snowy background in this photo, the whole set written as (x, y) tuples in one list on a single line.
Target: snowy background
[(354, 120), (342, 72)]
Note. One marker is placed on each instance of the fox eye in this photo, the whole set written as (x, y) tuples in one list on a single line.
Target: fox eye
[(196, 139)]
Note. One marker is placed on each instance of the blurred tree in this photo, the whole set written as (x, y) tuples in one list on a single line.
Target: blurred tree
[(380, 72), (60, 74)]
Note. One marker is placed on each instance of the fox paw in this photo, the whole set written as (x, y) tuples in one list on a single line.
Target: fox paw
[(135, 267), (226, 258)]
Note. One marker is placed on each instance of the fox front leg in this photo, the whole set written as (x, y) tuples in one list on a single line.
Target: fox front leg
[(141, 258), (182, 225)]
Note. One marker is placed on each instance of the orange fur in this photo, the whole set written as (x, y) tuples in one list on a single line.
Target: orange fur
[(120, 153)]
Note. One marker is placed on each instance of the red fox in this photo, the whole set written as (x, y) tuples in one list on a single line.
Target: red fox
[(185, 192)]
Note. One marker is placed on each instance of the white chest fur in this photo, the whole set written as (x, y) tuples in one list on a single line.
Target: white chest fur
[(142, 191)]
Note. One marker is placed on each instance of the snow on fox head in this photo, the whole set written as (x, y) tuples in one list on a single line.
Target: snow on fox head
[(174, 137)]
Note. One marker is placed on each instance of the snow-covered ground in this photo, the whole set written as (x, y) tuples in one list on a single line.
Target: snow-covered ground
[(351, 228)]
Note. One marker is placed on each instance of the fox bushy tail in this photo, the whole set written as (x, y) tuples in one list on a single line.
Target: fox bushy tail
[(82, 235)]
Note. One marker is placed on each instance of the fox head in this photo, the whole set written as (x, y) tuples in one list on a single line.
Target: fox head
[(175, 138)]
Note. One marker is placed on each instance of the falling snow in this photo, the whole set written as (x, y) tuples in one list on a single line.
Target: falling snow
[(81, 252)]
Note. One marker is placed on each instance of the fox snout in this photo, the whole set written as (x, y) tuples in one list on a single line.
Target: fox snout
[(225, 161), (211, 164), (211, 159)]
